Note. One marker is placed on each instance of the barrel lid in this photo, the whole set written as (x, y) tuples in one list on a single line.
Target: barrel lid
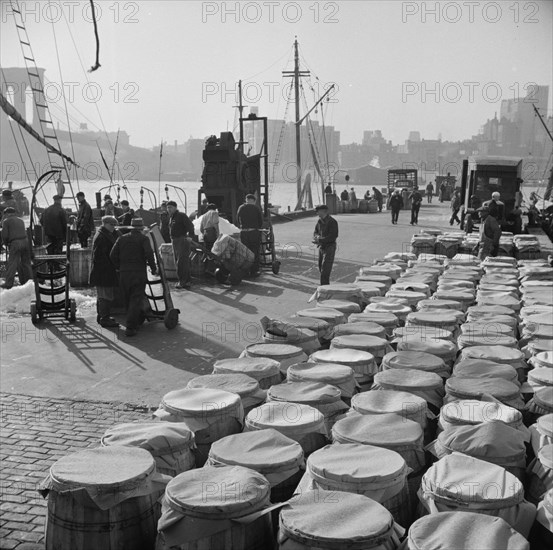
[(274, 351), (158, 438), (357, 463), (493, 318), (544, 359), (442, 317), (440, 348), (383, 430), (499, 354), (544, 397), (449, 477), (388, 305), (456, 295), (491, 330), (367, 327), (329, 373), (341, 305), (240, 384), (331, 315), (199, 402), (414, 288), (286, 417), (222, 491), (387, 401), (472, 411), (435, 303), (429, 332), (542, 375), (265, 451), (409, 379), (114, 467), (389, 300), (334, 519), (346, 288), (472, 339), (464, 531), (311, 323), (381, 317), (413, 360), (483, 368), (369, 286), (350, 357), (366, 276), (359, 341), (256, 367), (545, 424), (309, 393), (456, 284), (493, 309), (491, 441), (501, 299)]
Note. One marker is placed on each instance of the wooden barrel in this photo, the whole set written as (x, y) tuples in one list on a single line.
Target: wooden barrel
[(200, 506), (263, 369), (79, 270), (372, 206), (88, 503), (363, 206), (210, 414), (168, 260)]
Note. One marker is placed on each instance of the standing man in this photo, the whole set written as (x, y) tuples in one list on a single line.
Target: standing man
[(131, 254), (352, 200), (54, 222), (325, 235), (429, 192), (396, 204), (496, 207), (85, 220), (103, 274), (250, 219), (490, 233), (455, 207), (378, 197), (344, 195), (209, 226), (14, 237), (416, 200), (328, 189), (8, 202), (164, 222), (127, 215), (181, 230)]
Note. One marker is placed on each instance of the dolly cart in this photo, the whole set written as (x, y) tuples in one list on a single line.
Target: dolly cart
[(168, 314)]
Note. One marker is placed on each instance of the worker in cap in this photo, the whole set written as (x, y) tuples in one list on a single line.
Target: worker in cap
[(324, 236), (54, 224), (181, 231), (490, 233), (103, 274), (132, 254), (127, 215), (250, 221), (14, 236)]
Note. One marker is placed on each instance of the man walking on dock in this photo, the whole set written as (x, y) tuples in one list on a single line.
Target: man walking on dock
[(377, 195), (455, 207), (250, 219), (54, 222), (429, 192), (131, 254), (416, 200), (326, 233), (396, 204), (181, 230), (490, 233), (14, 237), (85, 220)]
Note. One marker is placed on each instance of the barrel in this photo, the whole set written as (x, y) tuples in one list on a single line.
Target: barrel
[(444, 349), (304, 338), (275, 456), (415, 360), (80, 265), (330, 315), (171, 445), (364, 206), (208, 508), (481, 368), (541, 536), (335, 519), (375, 345), (263, 369), (285, 354), (541, 433), (458, 481), (168, 260), (372, 206), (375, 472), (244, 386), (301, 423), (541, 404), (210, 414), (344, 306), (338, 291), (103, 498), (368, 328), (463, 531)]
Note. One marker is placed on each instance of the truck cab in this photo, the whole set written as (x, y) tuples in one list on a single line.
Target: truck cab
[(404, 179)]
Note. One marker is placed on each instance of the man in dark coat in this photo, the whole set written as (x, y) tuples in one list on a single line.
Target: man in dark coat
[(103, 274), (429, 192), (181, 230), (377, 195), (416, 200), (250, 220), (54, 222), (85, 220), (14, 236), (325, 235), (490, 234), (164, 223), (132, 254), (396, 204), (455, 207), (127, 215)]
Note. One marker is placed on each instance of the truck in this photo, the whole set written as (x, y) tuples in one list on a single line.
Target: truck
[(404, 179)]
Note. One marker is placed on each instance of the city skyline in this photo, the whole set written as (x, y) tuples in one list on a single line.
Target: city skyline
[(170, 69)]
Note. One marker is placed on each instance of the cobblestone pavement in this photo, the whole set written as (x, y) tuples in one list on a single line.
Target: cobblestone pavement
[(34, 433)]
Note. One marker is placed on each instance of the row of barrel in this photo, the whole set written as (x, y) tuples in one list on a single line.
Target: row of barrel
[(451, 243), (419, 397)]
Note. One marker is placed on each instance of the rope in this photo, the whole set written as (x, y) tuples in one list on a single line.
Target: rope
[(97, 64)]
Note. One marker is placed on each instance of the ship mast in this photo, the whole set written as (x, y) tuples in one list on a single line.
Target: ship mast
[(297, 74)]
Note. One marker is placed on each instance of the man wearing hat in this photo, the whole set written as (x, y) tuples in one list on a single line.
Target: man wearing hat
[(85, 220), (250, 220), (14, 237), (103, 274), (131, 255), (8, 201), (127, 215), (416, 201), (396, 204), (54, 223), (490, 233), (325, 235), (181, 230)]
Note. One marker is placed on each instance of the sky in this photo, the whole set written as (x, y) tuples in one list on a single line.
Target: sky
[(169, 69)]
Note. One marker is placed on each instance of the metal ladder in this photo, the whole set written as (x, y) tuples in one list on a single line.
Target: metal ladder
[(48, 130)]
